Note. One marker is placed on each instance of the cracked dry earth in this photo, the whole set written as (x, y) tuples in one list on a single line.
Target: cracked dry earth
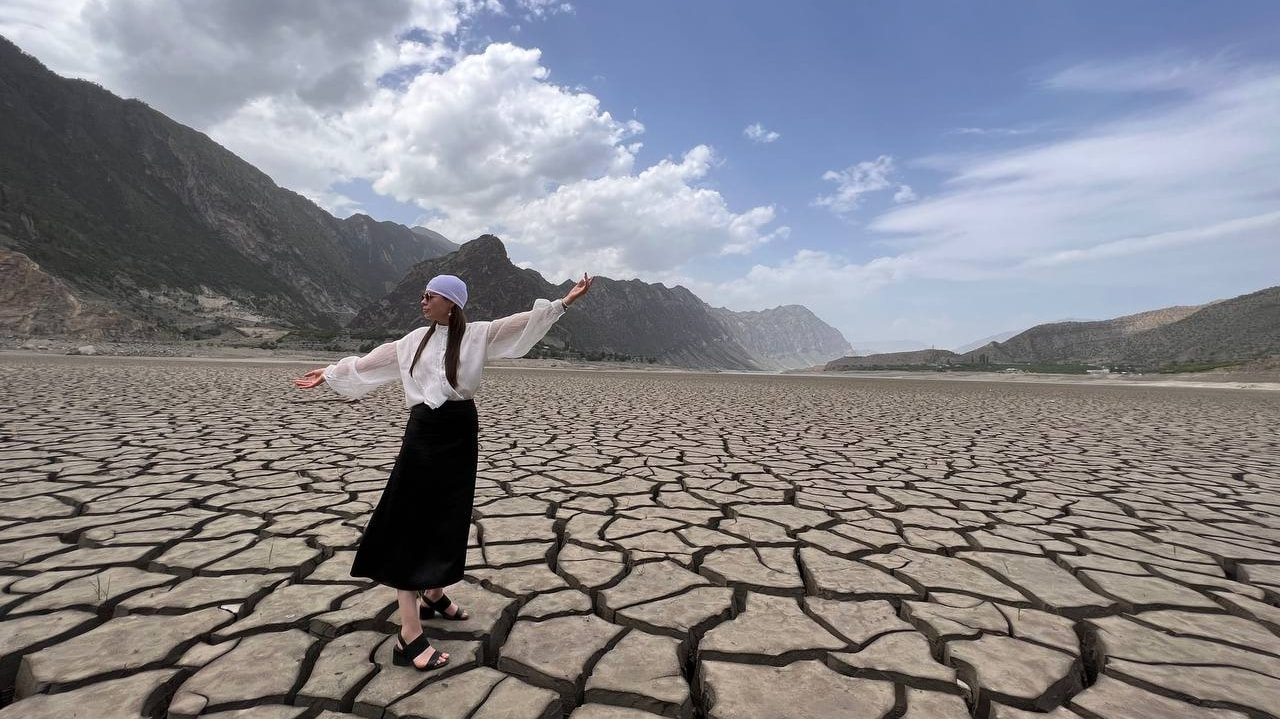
[(175, 539)]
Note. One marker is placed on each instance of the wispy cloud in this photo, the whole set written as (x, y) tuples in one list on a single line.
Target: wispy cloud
[(1267, 224), (992, 131), (1206, 162), (861, 179), (1144, 74), (1154, 196), (756, 132), (542, 8)]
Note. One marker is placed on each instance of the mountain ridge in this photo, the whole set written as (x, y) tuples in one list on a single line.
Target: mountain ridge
[(138, 214), (621, 318), (1240, 328)]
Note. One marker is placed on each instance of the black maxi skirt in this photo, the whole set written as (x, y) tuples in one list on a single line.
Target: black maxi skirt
[(417, 536)]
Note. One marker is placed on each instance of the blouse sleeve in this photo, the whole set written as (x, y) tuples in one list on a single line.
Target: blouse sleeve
[(515, 335), (358, 376)]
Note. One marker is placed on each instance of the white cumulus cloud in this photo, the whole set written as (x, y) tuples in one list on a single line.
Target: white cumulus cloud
[(641, 224), (201, 60), (490, 133), (490, 144), (393, 93)]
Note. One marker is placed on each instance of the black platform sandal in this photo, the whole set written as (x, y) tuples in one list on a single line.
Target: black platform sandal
[(441, 607), (402, 655)]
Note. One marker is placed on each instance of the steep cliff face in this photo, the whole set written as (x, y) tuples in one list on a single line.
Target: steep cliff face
[(670, 325), (786, 337), (633, 319), (437, 244), (384, 251), (34, 304), (119, 202)]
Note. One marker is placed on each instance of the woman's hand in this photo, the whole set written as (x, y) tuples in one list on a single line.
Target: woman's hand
[(579, 289), (314, 378)]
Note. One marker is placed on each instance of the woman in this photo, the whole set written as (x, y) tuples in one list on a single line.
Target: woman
[(416, 540)]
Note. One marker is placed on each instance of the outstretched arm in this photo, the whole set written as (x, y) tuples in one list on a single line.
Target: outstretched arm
[(515, 335), (356, 376)]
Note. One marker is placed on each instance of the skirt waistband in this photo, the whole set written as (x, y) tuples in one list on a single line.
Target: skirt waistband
[(449, 407)]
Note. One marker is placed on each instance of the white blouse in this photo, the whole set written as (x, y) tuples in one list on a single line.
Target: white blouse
[(507, 337)]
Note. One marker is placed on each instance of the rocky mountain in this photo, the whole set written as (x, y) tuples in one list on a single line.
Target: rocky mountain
[(1099, 341), (630, 319), (437, 244), (134, 214), (1241, 328), (786, 337), (385, 251)]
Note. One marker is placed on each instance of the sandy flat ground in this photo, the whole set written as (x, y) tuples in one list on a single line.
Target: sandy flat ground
[(1268, 380), (1260, 381), (176, 537)]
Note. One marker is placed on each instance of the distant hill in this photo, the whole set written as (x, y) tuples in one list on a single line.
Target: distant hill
[(892, 359), (998, 337), (1099, 341), (786, 337), (1241, 328), (138, 217)]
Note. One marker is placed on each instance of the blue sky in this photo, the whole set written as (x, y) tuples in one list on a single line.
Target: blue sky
[(918, 171)]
